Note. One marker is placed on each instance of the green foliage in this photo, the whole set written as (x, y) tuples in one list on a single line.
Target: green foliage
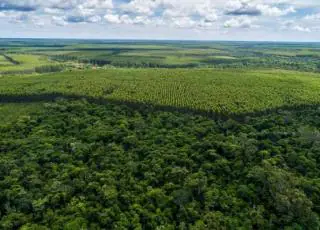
[(104, 165), (12, 111), (169, 54), (76, 165), (49, 68), (194, 54), (223, 92), (23, 63)]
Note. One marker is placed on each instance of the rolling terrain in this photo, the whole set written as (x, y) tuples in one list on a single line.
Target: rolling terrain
[(159, 135)]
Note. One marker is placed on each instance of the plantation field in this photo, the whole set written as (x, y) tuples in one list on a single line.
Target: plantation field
[(220, 91), (173, 54), (26, 62)]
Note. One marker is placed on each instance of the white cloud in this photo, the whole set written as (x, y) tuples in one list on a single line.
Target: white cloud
[(22, 18), (37, 21), (240, 22), (202, 10), (93, 4), (18, 18), (275, 11), (58, 21), (301, 28), (94, 19), (241, 7), (187, 15), (292, 25), (126, 19), (141, 6), (257, 7), (207, 11), (312, 17), (52, 11), (183, 22), (112, 18), (84, 11)]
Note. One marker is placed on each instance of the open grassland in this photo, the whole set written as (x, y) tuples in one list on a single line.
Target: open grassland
[(220, 91), (4, 61), (25, 62)]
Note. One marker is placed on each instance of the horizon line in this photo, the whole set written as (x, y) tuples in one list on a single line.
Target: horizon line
[(158, 40)]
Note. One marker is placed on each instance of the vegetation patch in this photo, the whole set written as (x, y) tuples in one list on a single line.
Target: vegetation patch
[(84, 166), (224, 92), (24, 63)]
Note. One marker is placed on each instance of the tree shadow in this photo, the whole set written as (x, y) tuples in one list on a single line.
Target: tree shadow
[(51, 97)]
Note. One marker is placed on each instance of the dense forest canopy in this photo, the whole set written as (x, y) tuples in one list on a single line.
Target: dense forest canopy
[(77, 165)]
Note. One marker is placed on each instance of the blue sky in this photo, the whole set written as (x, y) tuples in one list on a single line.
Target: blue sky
[(272, 20)]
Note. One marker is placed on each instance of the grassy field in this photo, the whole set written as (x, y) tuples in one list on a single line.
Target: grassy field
[(26, 62), (221, 91), (4, 61)]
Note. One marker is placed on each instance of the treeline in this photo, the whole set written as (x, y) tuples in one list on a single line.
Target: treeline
[(17, 72), (39, 69), (124, 63), (300, 63), (266, 64), (77, 165), (98, 62), (10, 59), (153, 65), (49, 68)]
